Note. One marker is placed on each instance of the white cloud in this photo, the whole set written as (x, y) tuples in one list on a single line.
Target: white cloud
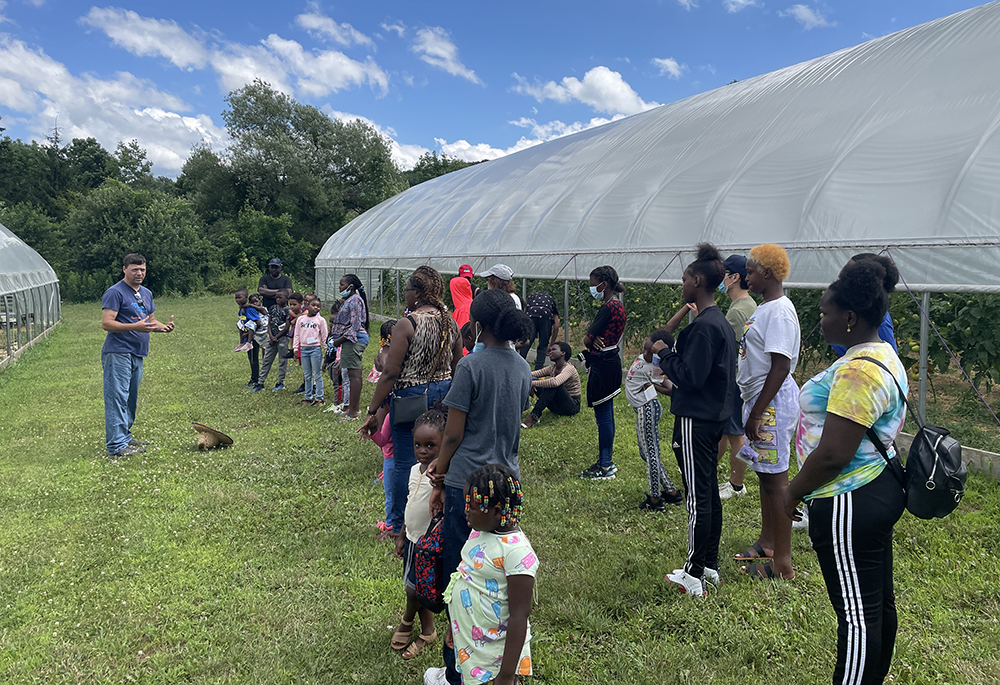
[(145, 36), (326, 72), (557, 129), (436, 49), (275, 60), (315, 21), (398, 27), (807, 16), (3, 4), (687, 4), (110, 110), (238, 65), (601, 88), (670, 67), (737, 5)]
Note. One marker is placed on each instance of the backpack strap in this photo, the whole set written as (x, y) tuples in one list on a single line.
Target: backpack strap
[(902, 395), (873, 436)]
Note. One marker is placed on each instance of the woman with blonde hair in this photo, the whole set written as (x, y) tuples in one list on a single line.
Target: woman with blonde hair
[(766, 359)]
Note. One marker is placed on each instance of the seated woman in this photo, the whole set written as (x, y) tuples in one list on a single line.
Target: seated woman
[(557, 386)]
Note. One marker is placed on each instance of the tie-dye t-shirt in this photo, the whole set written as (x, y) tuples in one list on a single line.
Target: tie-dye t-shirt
[(859, 391), (478, 602)]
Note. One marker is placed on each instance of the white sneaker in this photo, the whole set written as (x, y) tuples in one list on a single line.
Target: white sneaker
[(711, 576), (726, 491), (335, 408), (686, 583), (804, 523), (436, 676)]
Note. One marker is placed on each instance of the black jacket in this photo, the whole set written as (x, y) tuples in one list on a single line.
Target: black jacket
[(702, 368)]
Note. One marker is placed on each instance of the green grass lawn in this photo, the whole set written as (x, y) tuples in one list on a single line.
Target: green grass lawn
[(258, 563)]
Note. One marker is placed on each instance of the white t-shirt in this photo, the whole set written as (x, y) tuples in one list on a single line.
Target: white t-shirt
[(417, 515), (640, 373), (517, 301), (773, 327)]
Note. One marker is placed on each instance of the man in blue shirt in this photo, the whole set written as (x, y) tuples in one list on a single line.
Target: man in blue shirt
[(127, 315)]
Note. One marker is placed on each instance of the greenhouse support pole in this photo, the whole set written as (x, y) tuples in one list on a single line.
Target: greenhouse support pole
[(397, 293), (566, 309), (6, 323), (17, 320), (524, 290), (924, 339)]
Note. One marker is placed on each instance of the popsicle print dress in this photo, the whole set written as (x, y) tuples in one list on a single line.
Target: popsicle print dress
[(478, 603)]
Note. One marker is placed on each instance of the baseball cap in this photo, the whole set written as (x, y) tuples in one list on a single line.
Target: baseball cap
[(501, 271), (274, 262), (465, 270), (736, 264)]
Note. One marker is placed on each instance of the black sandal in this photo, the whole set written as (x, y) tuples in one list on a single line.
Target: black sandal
[(753, 553)]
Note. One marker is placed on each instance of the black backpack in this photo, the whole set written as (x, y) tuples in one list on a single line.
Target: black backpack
[(934, 476)]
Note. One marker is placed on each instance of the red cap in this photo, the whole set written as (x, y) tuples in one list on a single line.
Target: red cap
[(465, 270)]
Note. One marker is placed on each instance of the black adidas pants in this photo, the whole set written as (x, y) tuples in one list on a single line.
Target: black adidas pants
[(852, 536), (696, 443)]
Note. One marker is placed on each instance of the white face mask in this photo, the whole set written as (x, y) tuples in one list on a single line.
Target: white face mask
[(479, 345), (596, 293)]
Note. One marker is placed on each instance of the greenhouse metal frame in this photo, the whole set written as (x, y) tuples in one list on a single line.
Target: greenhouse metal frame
[(29, 297)]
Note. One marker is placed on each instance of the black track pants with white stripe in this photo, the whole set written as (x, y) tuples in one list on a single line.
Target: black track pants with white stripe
[(696, 443), (852, 536)]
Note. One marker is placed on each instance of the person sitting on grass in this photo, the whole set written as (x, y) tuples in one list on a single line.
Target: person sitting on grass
[(428, 434), (557, 386), (643, 382)]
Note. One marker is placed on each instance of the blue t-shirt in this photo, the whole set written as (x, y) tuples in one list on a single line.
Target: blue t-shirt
[(248, 319), (129, 306), (885, 332)]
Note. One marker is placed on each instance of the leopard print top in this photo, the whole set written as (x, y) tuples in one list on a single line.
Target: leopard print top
[(426, 354)]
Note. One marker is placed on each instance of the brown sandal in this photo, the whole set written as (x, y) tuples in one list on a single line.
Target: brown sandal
[(417, 646), (401, 638)]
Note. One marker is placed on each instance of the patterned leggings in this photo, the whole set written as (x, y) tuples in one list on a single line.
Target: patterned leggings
[(647, 433)]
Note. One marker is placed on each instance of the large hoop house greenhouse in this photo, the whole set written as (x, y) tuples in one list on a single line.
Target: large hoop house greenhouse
[(29, 296)]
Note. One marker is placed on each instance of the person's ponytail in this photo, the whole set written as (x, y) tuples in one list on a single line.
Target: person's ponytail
[(512, 324)]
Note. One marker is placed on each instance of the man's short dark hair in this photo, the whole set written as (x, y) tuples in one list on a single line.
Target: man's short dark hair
[(133, 258)]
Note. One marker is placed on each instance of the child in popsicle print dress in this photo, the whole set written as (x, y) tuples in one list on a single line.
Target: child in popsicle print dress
[(489, 596)]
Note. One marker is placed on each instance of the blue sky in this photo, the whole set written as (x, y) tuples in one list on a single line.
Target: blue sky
[(469, 79)]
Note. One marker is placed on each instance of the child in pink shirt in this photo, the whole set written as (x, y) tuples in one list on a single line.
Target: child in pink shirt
[(383, 438)]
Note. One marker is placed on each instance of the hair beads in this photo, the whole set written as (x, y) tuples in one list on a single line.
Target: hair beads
[(495, 485)]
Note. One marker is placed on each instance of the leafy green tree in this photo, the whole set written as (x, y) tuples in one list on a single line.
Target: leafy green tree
[(431, 165), (255, 237), (38, 230), (89, 164), (209, 185), (115, 219), (135, 168)]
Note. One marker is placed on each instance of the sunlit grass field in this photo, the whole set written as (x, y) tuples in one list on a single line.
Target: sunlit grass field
[(259, 564)]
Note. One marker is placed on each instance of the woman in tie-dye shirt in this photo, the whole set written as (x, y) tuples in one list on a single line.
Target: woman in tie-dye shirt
[(854, 500)]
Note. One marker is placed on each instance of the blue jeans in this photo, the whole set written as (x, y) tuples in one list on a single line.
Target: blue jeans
[(312, 363), (402, 449), (604, 414), (122, 374), (456, 534)]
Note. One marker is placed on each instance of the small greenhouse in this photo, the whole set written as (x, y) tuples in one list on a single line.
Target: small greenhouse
[(29, 296)]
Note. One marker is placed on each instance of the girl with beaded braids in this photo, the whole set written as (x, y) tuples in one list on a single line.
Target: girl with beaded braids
[(853, 499), (604, 360), (424, 348), (489, 596), (353, 320), (487, 397)]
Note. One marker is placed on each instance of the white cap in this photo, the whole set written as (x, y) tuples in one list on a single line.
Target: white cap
[(501, 271)]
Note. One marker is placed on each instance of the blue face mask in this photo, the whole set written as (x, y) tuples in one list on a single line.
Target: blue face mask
[(656, 360), (723, 288), (345, 293), (597, 295), (478, 346)]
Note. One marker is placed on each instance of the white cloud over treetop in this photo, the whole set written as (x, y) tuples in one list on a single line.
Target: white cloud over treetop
[(807, 16), (110, 110), (602, 89), (434, 46)]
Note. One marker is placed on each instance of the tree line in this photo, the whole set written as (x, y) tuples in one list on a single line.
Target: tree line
[(290, 177)]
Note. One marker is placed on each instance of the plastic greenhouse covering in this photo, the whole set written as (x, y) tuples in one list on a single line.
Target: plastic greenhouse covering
[(29, 295), (892, 144)]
